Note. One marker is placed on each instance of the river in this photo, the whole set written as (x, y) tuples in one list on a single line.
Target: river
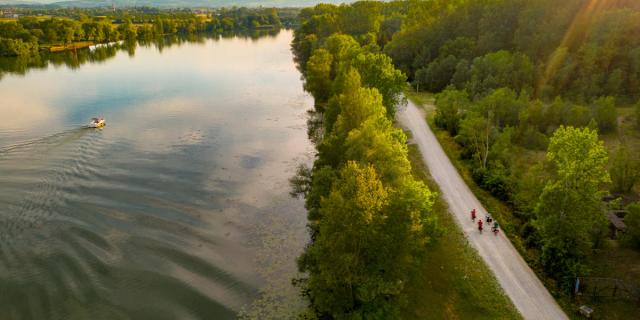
[(179, 208)]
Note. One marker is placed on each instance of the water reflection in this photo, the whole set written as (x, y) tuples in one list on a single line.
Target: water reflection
[(179, 208), (74, 59)]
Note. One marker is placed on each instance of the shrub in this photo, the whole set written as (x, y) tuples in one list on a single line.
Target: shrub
[(632, 235), (16, 47), (604, 111), (638, 113)]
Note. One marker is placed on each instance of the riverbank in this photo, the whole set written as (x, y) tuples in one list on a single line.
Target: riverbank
[(66, 47)]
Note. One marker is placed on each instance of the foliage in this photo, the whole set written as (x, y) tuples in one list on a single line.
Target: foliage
[(500, 69), (437, 75), (604, 111), (509, 76), (637, 113), (624, 170), (513, 77), (523, 45), (358, 260), (318, 79), (16, 47), (341, 53), (378, 72), (477, 133), (570, 208), (25, 35), (369, 218), (632, 220), (451, 103)]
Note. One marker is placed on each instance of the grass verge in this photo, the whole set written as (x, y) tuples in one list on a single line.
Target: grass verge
[(454, 282)]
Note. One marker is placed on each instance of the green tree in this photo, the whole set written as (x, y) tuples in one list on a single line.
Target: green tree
[(637, 113), (128, 31), (460, 47), (477, 134), (366, 244), (337, 259), (604, 111), (450, 105), (570, 208), (347, 110), (343, 48), (632, 220), (624, 171), (318, 75), (361, 18), (462, 74), (377, 71), (503, 106), (379, 143), (16, 47), (501, 69), (437, 75), (357, 104)]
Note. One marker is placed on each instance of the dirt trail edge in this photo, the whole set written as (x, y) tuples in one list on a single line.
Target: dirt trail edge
[(518, 281)]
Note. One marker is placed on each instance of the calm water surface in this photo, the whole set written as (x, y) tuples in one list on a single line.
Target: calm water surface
[(178, 209)]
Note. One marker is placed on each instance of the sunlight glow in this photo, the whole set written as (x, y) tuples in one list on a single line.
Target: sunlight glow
[(573, 37)]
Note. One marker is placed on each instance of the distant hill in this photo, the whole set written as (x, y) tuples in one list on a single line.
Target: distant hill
[(174, 3), (15, 2)]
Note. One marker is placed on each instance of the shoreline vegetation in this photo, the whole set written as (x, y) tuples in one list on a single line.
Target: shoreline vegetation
[(538, 106), (75, 36), (101, 52), (56, 30), (383, 245)]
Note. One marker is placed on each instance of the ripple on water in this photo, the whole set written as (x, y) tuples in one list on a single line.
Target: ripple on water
[(184, 218)]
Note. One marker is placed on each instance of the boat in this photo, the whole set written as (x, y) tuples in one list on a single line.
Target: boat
[(97, 123)]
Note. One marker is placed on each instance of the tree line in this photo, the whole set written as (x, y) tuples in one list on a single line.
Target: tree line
[(28, 34), (75, 59), (369, 218), (513, 77)]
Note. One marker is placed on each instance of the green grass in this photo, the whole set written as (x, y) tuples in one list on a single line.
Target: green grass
[(611, 261), (420, 98), (454, 283)]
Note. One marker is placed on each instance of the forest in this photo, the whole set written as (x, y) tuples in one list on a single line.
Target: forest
[(42, 29), (540, 99)]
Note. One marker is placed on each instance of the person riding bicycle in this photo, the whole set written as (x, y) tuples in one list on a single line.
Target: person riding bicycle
[(480, 225), (473, 214)]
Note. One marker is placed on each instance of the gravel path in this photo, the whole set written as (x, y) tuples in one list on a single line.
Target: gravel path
[(519, 282)]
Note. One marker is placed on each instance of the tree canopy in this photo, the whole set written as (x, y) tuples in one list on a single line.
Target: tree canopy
[(570, 209)]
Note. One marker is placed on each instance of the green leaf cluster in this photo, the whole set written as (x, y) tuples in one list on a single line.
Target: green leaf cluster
[(570, 211), (369, 218)]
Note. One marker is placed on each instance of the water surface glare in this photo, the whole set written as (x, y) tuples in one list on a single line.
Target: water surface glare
[(178, 209)]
